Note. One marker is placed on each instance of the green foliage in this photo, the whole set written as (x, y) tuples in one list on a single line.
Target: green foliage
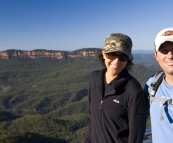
[(142, 73), (46, 100), (27, 137)]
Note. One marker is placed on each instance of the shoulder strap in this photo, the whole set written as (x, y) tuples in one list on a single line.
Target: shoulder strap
[(157, 79)]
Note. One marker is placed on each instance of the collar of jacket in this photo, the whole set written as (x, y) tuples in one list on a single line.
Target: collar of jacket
[(119, 82)]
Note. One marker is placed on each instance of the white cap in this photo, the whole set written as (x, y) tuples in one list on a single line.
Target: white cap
[(163, 36)]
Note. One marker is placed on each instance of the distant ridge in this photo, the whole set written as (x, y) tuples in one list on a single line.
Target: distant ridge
[(142, 51), (38, 53), (58, 54)]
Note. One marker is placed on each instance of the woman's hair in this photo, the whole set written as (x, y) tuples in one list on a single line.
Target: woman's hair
[(102, 60)]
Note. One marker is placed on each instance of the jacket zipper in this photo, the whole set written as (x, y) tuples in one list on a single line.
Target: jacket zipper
[(100, 104)]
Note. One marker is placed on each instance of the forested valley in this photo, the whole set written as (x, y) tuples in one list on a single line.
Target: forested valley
[(45, 100)]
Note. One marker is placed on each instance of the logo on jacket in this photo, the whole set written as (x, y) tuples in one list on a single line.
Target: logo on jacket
[(116, 101)]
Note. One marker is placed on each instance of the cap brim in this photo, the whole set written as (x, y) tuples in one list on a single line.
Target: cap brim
[(163, 41), (120, 49)]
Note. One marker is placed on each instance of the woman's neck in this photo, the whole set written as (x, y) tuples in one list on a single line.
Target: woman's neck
[(109, 77)]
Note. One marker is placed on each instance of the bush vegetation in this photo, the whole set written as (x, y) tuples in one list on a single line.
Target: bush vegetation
[(45, 100)]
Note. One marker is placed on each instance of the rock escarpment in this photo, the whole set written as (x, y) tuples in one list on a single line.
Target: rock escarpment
[(86, 52)]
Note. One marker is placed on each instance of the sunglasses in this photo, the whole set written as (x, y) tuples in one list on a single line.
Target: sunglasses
[(165, 51), (166, 47), (121, 57)]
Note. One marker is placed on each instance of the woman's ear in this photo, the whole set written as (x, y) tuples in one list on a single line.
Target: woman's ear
[(103, 53)]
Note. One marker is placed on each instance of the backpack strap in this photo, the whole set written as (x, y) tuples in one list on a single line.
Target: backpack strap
[(167, 102), (157, 79)]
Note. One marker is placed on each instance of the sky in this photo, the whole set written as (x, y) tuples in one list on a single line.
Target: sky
[(68, 25)]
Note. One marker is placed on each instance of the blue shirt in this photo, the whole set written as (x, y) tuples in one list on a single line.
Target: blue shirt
[(162, 131)]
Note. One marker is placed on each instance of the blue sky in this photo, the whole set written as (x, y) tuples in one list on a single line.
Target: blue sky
[(69, 25)]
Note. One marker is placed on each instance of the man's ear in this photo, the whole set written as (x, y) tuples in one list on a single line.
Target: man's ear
[(155, 53)]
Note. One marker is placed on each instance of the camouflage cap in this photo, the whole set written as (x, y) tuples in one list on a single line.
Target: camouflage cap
[(118, 42)]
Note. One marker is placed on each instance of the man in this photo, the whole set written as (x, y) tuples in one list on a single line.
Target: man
[(161, 111), (117, 103)]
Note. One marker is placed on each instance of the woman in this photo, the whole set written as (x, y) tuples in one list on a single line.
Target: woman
[(117, 104)]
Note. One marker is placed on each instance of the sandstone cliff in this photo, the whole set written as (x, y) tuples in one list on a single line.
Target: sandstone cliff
[(86, 52)]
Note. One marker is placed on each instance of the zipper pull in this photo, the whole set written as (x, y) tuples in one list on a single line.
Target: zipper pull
[(100, 104)]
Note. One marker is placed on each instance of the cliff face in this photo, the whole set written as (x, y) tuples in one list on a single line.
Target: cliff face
[(87, 52)]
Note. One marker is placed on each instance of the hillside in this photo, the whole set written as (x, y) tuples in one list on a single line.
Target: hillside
[(46, 98)]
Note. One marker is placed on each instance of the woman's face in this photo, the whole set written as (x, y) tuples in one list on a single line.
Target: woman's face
[(115, 62)]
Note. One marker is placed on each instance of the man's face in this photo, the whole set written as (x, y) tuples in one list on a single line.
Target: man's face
[(165, 57)]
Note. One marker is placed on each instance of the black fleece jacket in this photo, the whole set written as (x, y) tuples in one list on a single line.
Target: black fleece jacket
[(118, 112)]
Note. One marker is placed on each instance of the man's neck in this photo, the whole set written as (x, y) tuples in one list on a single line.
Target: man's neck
[(169, 79)]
